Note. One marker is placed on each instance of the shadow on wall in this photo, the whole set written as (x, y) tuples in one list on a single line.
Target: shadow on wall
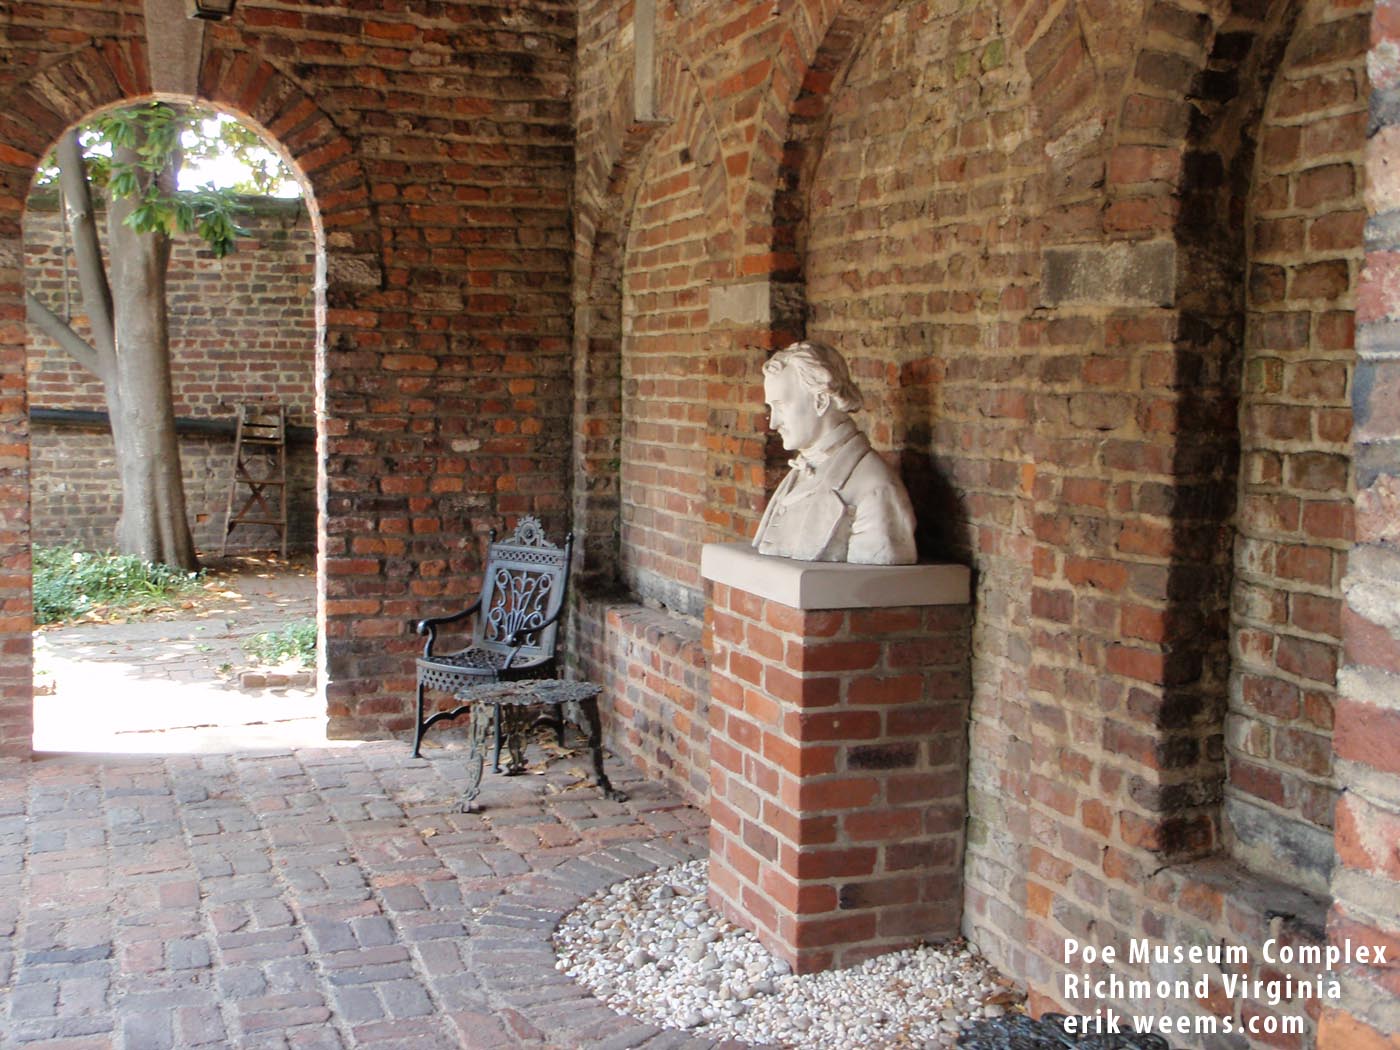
[(941, 531)]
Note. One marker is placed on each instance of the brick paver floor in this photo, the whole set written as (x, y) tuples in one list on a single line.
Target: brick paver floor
[(312, 898)]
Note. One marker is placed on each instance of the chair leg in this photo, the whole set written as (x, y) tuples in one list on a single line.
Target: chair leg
[(496, 754), (589, 708), (418, 724), (476, 756)]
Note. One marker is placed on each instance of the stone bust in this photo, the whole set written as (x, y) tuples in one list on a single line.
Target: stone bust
[(840, 501)]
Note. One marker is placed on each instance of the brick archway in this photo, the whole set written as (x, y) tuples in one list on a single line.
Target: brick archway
[(38, 110), (679, 215), (606, 203)]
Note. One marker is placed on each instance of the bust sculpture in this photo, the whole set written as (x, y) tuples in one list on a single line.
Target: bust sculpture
[(840, 501)]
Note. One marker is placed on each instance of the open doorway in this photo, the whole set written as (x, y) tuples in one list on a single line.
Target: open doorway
[(200, 666)]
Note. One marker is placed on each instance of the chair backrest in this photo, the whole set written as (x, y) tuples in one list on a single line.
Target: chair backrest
[(524, 583)]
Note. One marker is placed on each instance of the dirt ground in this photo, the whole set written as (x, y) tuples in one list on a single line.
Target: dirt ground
[(177, 679)]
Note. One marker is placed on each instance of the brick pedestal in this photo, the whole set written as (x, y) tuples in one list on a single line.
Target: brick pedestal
[(838, 753)]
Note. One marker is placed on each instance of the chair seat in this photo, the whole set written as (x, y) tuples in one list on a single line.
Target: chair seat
[(450, 671)]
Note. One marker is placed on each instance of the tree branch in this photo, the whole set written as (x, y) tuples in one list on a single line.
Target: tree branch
[(61, 333), (92, 275)]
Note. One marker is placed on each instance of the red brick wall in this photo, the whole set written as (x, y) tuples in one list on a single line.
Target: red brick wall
[(665, 300), (1044, 239), (242, 328), (438, 146), (1366, 880), (1296, 484), (653, 668)]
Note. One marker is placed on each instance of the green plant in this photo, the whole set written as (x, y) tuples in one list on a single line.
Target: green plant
[(293, 640), (70, 582)]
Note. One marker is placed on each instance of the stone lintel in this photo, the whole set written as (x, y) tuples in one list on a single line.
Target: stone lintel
[(833, 585), (1122, 274), (175, 47), (745, 304)]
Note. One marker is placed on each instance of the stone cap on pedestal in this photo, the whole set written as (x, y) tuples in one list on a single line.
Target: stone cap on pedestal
[(833, 585)]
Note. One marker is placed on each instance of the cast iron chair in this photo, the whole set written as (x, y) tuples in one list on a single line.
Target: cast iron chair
[(523, 590)]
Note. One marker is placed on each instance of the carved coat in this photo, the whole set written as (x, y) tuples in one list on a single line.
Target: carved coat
[(840, 502)]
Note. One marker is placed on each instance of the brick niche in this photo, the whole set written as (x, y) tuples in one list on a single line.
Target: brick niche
[(838, 752)]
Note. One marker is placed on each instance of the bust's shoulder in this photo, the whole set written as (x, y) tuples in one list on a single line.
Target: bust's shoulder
[(870, 472)]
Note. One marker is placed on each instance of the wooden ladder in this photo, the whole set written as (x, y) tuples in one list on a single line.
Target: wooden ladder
[(259, 470)]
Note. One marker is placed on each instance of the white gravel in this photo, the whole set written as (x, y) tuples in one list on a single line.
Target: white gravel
[(651, 947)]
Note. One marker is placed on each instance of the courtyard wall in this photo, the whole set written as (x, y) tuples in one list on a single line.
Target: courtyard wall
[(242, 329), (1099, 269)]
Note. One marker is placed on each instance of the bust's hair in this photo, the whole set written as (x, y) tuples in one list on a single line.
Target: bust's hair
[(820, 368)]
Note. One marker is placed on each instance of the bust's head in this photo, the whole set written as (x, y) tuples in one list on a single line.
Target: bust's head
[(809, 392)]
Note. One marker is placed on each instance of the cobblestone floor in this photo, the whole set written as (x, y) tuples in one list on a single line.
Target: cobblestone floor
[(310, 899)]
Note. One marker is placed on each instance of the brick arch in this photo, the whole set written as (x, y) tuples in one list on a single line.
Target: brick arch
[(818, 45), (267, 98), (687, 109), (114, 72), (897, 221), (1177, 168), (606, 203), (810, 67), (1168, 213), (66, 91), (1212, 160), (678, 246)]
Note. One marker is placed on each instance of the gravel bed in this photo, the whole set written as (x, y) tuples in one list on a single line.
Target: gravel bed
[(652, 948)]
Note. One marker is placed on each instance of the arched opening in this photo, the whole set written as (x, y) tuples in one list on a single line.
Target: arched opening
[(1293, 527), (244, 332), (222, 662), (907, 171), (349, 267)]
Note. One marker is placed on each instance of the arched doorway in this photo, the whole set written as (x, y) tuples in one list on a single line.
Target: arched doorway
[(134, 658), (62, 94)]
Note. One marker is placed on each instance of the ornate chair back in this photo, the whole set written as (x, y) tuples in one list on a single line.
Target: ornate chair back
[(524, 586)]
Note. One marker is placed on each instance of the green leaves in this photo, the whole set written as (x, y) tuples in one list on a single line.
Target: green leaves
[(211, 215), (208, 212), (136, 153), (69, 583), (293, 641)]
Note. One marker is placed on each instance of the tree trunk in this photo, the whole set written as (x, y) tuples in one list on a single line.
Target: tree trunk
[(153, 524)]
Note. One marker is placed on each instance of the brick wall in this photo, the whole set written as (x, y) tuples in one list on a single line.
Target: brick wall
[(1366, 878), (1296, 485), (76, 499), (438, 147), (241, 328), (652, 665), (1097, 272)]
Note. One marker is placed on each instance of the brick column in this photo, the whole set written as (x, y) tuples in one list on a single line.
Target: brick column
[(838, 752)]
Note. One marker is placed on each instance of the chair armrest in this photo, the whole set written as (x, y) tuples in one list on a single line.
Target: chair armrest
[(515, 638), (430, 625), (517, 642)]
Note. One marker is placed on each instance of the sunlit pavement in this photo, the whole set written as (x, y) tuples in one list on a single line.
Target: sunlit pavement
[(171, 684)]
